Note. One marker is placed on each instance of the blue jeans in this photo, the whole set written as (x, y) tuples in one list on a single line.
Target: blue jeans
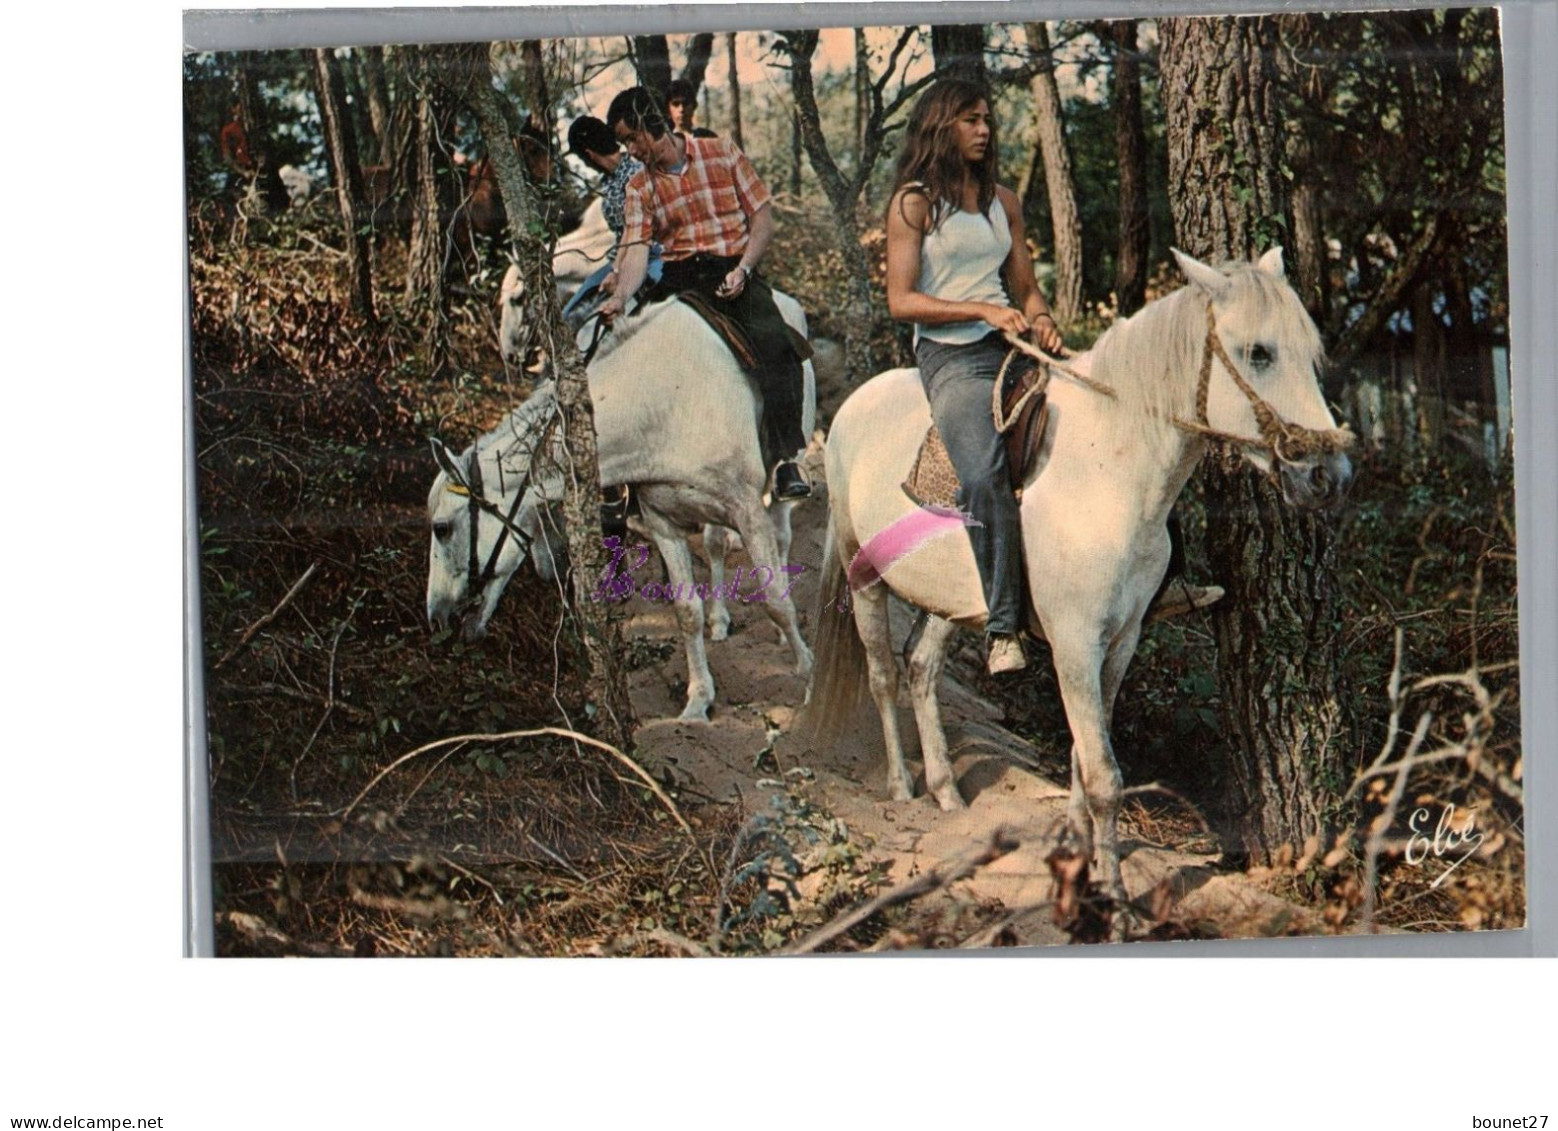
[(582, 305), (958, 381)]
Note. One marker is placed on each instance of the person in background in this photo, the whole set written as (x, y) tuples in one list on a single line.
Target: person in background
[(592, 141), (682, 101)]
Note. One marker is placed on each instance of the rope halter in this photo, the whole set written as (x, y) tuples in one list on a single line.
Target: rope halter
[(1288, 443)]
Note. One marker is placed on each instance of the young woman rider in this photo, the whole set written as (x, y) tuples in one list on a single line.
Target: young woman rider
[(958, 269)]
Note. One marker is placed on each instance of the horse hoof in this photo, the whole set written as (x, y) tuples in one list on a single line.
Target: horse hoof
[(472, 630), (949, 799), (898, 791), (719, 630), (694, 714), (1125, 923)]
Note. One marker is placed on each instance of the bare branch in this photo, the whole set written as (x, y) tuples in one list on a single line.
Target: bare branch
[(945, 873), (248, 633)]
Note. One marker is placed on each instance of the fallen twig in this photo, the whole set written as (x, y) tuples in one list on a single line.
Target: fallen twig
[(233, 691), (638, 771), (248, 633), (1001, 842)]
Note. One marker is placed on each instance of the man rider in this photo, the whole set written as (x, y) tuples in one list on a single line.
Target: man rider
[(702, 202)]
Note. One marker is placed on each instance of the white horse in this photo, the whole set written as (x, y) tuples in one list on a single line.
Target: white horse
[(520, 349), (675, 418), (1093, 515), (581, 251)]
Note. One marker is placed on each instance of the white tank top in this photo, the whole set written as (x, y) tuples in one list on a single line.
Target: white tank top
[(961, 261)]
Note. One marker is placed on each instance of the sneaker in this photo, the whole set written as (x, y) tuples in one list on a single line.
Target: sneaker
[(1182, 597), (614, 515), (1006, 655), (790, 481)]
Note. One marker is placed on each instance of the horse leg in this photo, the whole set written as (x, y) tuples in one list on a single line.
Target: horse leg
[(677, 555), (1096, 785), (924, 671), (1116, 661), (783, 537), (771, 584), (716, 543), (870, 607)]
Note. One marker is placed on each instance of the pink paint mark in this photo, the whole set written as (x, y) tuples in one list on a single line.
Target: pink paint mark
[(899, 540)]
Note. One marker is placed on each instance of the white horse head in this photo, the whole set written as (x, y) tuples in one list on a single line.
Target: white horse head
[(518, 339), (516, 322), (582, 250), (299, 185), (497, 488), (1270, 338)]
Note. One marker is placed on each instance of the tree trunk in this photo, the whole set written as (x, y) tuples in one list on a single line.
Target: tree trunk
[(1277, 631), (538, 94), (1130, 137), (341, 145), (1065, 220), (1225, 142), (862, 88), (795, 156), (700, 49), (613, 717), (735, 92), (843, 196), (377, 91), (254, 119), (959, 51), (652, 61), (431, 209), (1428, 367), (1307, 265)]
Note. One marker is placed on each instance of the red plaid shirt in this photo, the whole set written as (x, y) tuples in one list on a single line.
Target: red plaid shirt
[(705, 207)]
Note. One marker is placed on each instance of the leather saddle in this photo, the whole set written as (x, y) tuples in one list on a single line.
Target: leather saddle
[(1020, 419), (735, 336)]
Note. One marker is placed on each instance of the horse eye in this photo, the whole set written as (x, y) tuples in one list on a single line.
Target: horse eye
[(1261, 357), (441, 530)]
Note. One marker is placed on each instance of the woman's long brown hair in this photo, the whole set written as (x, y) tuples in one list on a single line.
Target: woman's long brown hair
[(931, 156)]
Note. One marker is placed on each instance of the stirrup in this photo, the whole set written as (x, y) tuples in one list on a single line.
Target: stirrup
[(790, 481), (614, 515)]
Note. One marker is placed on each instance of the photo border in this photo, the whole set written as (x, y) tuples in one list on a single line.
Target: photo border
[(1529, 33)]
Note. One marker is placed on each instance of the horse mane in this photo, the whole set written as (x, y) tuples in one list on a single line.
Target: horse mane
[(518, 434), (1153, 359)]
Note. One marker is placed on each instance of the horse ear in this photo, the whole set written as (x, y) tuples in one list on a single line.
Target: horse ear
[(445, 461), (1271, 262), (1209, 279)]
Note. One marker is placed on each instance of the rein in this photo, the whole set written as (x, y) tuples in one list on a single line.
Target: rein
[(477, 503), (1288, 443)]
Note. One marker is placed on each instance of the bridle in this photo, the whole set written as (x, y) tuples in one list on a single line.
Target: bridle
[(469, 484), (1288, 443)]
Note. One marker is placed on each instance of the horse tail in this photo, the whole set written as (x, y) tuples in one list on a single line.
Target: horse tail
[(839, 684)]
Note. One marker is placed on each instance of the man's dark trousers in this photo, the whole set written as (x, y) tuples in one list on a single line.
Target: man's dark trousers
[(778, 373)]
